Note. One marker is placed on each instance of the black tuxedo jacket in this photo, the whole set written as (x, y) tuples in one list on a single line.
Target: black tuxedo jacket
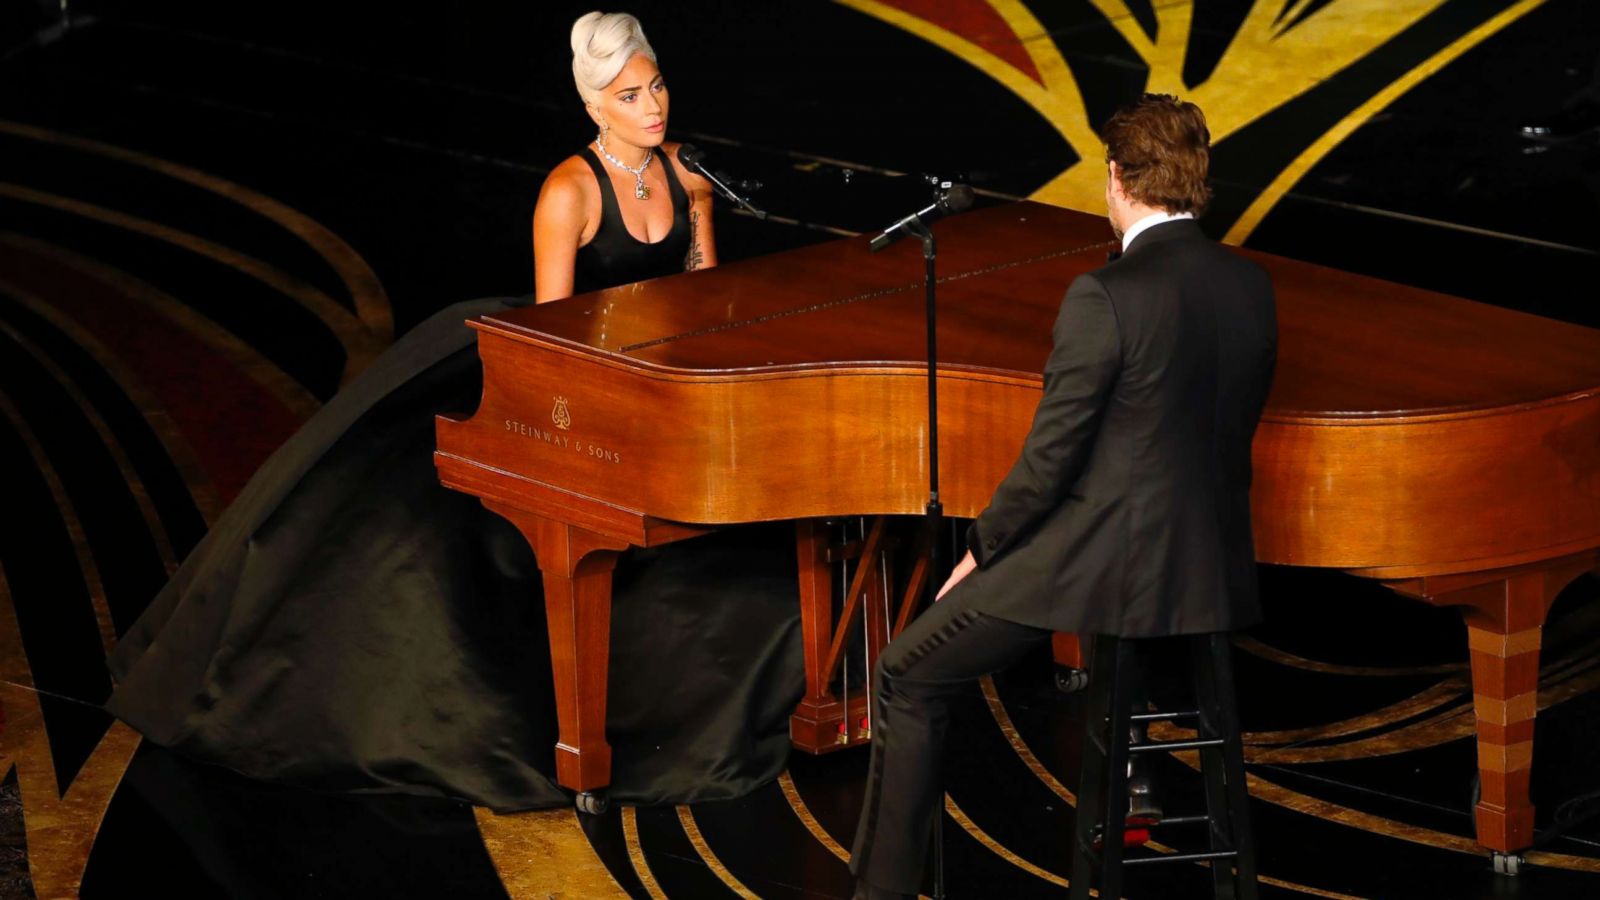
[(1128, 512)]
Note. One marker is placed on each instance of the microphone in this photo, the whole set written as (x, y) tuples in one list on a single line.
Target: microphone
[(951, 197), (694, 158)]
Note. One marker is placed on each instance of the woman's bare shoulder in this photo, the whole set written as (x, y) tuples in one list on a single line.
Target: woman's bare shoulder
[(571, 178), (566, 199)]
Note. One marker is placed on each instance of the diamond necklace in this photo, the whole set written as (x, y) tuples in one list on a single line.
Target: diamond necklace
[(640, 190)]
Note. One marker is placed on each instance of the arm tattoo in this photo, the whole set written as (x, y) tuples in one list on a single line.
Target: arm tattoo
[(695, 257)]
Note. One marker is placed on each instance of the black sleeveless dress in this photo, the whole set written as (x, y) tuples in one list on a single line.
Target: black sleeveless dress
[(614, 255), (349, 624)]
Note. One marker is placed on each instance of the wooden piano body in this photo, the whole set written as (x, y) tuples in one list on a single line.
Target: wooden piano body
[(1449, 449)]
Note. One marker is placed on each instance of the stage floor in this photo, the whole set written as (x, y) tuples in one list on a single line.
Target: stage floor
[(211, 216)]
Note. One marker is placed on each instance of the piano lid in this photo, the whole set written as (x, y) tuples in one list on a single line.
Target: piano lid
[(1351, 348)]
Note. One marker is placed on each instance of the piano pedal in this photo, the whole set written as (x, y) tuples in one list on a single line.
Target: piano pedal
[(863, 732)]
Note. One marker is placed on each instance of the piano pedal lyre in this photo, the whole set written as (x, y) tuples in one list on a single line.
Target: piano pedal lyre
[(823, 721)]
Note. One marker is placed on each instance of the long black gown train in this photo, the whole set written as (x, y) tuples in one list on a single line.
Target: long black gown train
[(350, 624)]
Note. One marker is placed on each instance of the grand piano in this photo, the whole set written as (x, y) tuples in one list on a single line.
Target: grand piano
[(1447, 449)]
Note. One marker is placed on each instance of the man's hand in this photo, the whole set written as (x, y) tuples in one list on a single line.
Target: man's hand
[(962, 570)]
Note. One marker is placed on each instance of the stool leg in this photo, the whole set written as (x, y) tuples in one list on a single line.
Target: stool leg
[(1092, 766), (1115, 817), (1214, 774), (1233, 753)]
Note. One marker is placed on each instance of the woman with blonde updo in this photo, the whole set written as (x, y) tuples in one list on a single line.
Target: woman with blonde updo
[(625, 209), (351, 624)]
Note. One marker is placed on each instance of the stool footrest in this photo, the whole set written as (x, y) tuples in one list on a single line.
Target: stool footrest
[(1159, 716), (1175, 745), (1180, 858), (1183, 820)]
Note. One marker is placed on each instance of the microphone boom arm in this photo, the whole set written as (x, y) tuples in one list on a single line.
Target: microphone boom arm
[(912, 225), (952, 197), (693, 158)]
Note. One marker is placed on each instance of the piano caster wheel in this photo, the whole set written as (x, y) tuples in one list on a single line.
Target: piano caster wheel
[(1070, 680), (1506, 863), (595, 803)]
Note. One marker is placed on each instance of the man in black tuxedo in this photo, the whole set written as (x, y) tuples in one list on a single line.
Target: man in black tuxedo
[(1128, 512)]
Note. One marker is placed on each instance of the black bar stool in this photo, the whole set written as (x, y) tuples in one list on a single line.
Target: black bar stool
[(1103, 789)]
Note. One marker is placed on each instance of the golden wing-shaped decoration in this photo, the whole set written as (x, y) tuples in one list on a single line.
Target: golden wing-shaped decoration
[(1280, 50)]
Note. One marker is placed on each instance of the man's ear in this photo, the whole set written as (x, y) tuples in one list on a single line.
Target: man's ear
[(1114, 180)]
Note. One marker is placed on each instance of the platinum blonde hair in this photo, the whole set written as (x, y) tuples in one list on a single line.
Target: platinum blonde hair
[(602, 43)]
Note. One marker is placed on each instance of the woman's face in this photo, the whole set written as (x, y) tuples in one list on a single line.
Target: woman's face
[(634, 104)]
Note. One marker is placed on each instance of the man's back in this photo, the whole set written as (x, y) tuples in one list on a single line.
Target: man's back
[(1198, 335), (1150, 534)]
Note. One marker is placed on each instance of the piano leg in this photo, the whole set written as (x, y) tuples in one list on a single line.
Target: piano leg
[(1072, 668), (577, 567), (1505, 613), (1067, 649), (1504, 632)]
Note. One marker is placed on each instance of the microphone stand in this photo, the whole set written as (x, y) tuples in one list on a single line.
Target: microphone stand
[(732, 194), (692, 157), (953, 197), (934, 512), (934, 509)]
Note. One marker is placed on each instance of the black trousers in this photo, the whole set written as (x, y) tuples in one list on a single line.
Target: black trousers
[(933, 661)]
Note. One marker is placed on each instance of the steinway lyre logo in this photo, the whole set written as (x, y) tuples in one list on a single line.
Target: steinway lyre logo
[(560, 416)]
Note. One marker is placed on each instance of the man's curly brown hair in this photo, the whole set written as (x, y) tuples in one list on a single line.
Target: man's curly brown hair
[(1162, 149)]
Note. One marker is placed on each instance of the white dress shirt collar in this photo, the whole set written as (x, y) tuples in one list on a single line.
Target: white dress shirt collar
[(1155, 218)]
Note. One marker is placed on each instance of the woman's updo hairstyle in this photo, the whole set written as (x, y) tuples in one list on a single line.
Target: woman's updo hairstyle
[(602, 43)]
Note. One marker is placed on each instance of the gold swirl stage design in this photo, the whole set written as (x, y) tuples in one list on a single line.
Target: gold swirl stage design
[(1279, 50), (153, 349), (563, 861)]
